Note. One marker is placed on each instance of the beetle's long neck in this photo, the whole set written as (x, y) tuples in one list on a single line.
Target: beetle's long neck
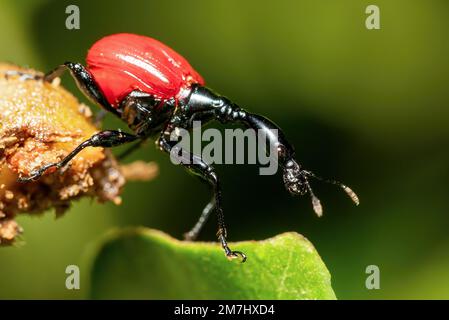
[(274, 136), (205, 100)]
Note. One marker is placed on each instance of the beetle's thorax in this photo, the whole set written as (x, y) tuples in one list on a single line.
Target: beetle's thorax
[(202, 98), (218, 107)]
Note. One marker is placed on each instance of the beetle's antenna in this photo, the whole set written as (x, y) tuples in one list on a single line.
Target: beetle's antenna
[(316, 203), (351, 194)]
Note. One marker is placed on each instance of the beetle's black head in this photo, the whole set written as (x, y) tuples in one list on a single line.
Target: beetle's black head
[(296, 181)]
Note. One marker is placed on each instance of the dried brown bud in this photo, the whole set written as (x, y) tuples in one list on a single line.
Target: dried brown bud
[(40, 123)]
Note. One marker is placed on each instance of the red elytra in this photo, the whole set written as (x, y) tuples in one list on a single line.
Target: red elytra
[(122, 63)]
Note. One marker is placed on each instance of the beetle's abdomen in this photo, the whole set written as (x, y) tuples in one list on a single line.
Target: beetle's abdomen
[(122, 63)]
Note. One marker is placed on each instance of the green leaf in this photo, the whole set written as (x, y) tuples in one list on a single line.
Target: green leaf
[(141, 263)]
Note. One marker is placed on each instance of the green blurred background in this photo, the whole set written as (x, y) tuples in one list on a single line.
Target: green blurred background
[(369, 107)]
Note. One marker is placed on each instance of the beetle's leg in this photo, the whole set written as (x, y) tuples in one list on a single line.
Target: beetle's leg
[(105, 139), (195, 165), (85, 82)]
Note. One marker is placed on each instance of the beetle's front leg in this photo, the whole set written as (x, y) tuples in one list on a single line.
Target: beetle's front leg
[(105, 139), (195, 165)]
